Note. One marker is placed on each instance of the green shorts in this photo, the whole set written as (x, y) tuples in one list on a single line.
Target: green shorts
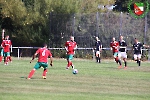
[(69, 57), (41, 64), (115, 54), (6, 54)]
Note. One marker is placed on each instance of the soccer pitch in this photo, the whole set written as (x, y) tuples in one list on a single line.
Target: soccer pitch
[(93, 82)]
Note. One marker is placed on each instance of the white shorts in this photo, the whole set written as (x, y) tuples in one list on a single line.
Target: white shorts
[(122, 54), (137, 56), (98, 53)]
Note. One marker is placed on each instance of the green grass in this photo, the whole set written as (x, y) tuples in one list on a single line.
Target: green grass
[(93, 82)]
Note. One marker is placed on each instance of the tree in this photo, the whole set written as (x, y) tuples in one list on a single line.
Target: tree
[(29, 19)]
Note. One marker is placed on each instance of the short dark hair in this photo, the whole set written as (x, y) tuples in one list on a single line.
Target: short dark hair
[(44, 44)]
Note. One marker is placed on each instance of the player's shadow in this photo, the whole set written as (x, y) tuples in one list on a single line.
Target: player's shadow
[(31, 78), (26, 77)]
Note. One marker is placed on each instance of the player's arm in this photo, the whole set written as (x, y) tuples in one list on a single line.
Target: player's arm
[(2, 45), (146, 46), (51, 61), (100, 48), (11, 47), (33, 57), (75, 47), (111, 46), (66, 46), (3, 31)]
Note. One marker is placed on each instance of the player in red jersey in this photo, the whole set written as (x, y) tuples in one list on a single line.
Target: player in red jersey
[(2, 51), (114, 47), (43, 55), (70, 47), (6, 44)]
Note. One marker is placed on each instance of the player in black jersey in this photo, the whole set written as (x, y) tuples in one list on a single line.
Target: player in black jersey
[(137, 47), (98, 48), (122, 51)]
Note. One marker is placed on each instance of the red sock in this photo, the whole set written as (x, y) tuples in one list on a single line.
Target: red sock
[(44, 72), (9, 58), (1, 58), (69, 63), (116, 59), (31, 73)]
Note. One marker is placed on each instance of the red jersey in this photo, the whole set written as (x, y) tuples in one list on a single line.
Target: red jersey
[(43, 54), (6, 44), (114, 45), (70, 46)]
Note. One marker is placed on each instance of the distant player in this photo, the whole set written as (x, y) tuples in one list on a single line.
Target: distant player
[(70, 47), (137, 47), (2, 51), (6, 44), (122, 51), (114, 46), (98, 48), (43, 55)]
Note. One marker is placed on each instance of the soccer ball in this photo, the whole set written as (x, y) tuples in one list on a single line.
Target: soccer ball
[(75, 71)]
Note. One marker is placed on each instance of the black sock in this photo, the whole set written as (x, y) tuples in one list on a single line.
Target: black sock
[(99, 60), (139, 63), (119, 62), (116, 60), (125, 63), (96, 59)]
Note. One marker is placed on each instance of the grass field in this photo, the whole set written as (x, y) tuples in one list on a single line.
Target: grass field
[(93, 82)]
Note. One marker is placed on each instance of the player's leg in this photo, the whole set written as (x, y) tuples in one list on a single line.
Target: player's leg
[(45, 66), (139, 59), (5, 58), (9, 57), (98, 56), (69, 60), (136, 58), (36, 67), (117, 59), (1, 57), (124, 55)]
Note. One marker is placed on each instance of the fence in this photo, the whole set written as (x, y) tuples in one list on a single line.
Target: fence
[(87, 53), (85, 27)]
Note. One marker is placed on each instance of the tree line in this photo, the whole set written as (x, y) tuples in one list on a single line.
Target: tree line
[(33, 22), (28, 21)]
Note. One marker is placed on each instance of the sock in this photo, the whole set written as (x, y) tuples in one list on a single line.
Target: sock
[(139, 63), (119, 62), (116, 59), (69, 64), (1, 58), (125, 63), (31, 73), (4, 59), (9, 58), (44, 72), (99, 60), (96, 59)]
